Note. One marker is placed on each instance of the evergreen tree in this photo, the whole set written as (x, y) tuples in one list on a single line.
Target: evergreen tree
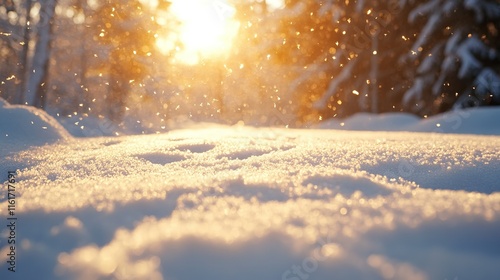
[(457, 55), (371, 78), (398, 55)]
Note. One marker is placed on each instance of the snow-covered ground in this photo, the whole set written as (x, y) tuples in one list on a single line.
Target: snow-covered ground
[(247, 203)]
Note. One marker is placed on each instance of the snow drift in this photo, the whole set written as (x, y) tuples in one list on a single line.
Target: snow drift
[(28, 126), (481, 120)]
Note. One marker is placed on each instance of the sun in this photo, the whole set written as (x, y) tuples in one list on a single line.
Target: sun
[(207, 29)]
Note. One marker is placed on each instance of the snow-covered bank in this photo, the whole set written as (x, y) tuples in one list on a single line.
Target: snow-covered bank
[(481, 120), (244, 203), (23, 126)]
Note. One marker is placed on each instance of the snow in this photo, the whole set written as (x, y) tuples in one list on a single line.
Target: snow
[(89, 126), (244, 203), (26, 126), (478, 120)]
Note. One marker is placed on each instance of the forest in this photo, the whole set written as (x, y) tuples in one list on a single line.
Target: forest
[(280, 63)]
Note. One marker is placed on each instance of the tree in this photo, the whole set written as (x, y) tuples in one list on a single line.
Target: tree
[(127, 32), (72, 51), (457, 54), (413, 56), (370, 36), (24, 56), (39, 77), (306, 39), (257, 81), (11, 41)]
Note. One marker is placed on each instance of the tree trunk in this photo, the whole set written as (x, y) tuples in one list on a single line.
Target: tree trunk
[(374, 73), (38, 81), (264, 8), (23, 69), (84, 66), (119, 88)]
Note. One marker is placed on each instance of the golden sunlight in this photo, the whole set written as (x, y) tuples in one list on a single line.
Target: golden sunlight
[(207, 29)]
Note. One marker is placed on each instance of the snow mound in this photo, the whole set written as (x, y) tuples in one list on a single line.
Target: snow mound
[(27, 126), (482, 121), (373, 122), (245, 203)]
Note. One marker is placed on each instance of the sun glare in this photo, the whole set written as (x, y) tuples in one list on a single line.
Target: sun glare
[(206, 30)]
